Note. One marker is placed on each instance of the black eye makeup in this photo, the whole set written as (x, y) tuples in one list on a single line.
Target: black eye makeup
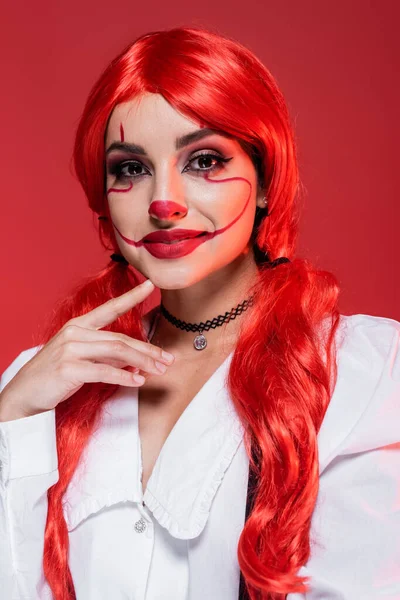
[(205, 161), (206, 157)]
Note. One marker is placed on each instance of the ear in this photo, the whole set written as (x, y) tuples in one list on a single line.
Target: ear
[(260, 200)]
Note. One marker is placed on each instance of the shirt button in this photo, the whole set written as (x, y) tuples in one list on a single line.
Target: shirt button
[(140, 525)]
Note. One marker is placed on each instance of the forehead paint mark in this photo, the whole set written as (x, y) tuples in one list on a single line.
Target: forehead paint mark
[(121, 132), (121, 191), (209, 235)]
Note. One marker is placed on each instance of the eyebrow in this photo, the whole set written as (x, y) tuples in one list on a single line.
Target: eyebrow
[(180, 142)]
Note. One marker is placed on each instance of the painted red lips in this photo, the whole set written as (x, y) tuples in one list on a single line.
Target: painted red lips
[(177, 248), (172, 235)]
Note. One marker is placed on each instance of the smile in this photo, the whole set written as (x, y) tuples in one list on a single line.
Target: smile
[(176, 248), (159, 247), (177, 241)]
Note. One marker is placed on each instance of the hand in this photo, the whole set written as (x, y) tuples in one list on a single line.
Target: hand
[(79, 353)]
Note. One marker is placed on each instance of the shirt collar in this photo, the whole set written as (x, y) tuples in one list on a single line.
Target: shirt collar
[(189, 468)]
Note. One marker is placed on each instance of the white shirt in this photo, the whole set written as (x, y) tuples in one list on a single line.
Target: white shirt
[(182, 544)]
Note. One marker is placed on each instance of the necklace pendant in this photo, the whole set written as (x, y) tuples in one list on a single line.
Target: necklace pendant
[(200, 342)]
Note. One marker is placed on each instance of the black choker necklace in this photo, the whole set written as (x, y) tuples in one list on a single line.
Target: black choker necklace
[(200, 341)]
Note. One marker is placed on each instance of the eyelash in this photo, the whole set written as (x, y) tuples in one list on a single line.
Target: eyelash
[(116, 169)]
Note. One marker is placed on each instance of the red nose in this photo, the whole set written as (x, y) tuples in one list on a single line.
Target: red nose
[(166, 209)]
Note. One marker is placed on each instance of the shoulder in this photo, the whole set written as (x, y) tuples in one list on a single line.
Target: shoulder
[(355, 524), (369, 336), (17, 364), (364, 409)]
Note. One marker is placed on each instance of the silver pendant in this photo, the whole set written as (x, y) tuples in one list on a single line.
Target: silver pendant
[(200, 342)]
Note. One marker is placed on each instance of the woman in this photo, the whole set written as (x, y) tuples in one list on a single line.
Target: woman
[(129, 473)]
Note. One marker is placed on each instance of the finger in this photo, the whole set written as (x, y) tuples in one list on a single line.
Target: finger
[(77, 333), (115, 307), (117, 351), (87, 372)]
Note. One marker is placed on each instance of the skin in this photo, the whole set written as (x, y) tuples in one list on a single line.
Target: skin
[(165, 189)]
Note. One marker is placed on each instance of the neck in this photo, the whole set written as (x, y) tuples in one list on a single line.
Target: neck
[(213, 296)]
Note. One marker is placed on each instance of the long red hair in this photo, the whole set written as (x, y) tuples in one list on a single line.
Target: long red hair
[(283, 370)]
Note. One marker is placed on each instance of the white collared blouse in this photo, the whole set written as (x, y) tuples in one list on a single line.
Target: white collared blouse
[(178, 541)]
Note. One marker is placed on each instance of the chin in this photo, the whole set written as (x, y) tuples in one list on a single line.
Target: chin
[(175, 278)]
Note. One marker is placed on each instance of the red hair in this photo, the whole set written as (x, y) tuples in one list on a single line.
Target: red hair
[(283, 370)]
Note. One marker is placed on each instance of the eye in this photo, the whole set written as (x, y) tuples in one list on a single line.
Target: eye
[(128, 168), (131, 169), (207, 162)]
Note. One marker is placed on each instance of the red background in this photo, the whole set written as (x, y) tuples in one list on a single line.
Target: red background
[(337, 64)]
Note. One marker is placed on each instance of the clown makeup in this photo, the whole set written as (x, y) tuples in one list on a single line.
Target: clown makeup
[(181, 197)]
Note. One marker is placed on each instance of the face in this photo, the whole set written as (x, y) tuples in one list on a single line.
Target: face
[(182, 198)]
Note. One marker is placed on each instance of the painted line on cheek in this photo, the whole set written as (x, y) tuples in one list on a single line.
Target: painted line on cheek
[(128, 241), (219, 231), (121, 191)]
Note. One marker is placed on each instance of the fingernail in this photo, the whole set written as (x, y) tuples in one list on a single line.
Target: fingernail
[(160, 366), (138, 378), (167, 356), (147, 283)]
